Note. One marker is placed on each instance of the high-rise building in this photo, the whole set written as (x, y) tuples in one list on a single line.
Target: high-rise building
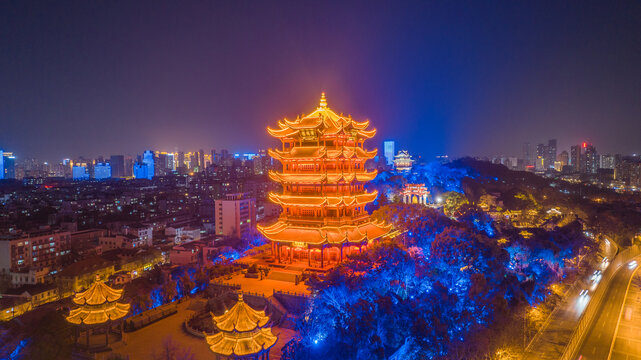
[(148, 159), (527, 154), (1, 164), (117, 163), (589, 160), (201, 160), (550, 156), (235, 216), (80, 172), (324, 195), (181, 160), (102, 171), (575, 157), (389, 151), (129, 166), (608, 161)]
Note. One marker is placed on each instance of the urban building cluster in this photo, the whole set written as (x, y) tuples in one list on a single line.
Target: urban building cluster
[(57, 233), (581, 162), (151, 163)]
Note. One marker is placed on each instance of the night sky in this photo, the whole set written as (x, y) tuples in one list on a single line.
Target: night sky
[(463, 78)]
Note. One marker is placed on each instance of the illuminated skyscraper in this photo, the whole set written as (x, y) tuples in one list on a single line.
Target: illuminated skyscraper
[(102, 171), (148, 159), (323, 196), (8, 165), (389, 151), (140, 171), (1, 164), (80, 172)]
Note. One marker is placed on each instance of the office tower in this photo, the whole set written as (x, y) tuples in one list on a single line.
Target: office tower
[(181, 160), (235, 216), (575, 157), (161, 164), (171, 161), (550, 156), (129, 166), (117, 163), (148, 159), (1, 164), (102, 171), (608, 161), (80, 172), (201, 160), (527, 154), (388, 151), (589, 160)]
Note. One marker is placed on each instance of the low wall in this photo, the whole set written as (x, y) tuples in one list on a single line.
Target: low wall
[(150, 316)]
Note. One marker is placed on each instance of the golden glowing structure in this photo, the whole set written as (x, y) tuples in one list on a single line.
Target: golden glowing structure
[(97, 305), (243, 333), (323, 180)]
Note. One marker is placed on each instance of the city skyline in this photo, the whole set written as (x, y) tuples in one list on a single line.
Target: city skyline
[(460, 75)]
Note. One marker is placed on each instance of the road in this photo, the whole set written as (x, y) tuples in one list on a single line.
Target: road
[(599, 340), (628, 339), (557, 332)]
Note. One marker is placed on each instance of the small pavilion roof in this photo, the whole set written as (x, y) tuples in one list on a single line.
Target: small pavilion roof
[(97, 294), (97, 305), (243, 331), (98, 314), (241, 317), (241, 344)]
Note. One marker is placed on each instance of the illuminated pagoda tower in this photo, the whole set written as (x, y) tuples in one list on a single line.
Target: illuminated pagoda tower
[(244, 333), (98, 306), (323, 198)]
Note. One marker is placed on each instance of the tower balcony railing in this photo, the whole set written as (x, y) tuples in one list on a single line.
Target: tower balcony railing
[(331, 221)]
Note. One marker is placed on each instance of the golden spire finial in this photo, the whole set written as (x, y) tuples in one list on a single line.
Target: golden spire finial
[(323, 101)]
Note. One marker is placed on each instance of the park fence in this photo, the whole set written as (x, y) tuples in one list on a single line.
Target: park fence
[(591, 310)]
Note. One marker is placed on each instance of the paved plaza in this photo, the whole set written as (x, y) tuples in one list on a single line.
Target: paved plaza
[(266, 287), (143, 343)]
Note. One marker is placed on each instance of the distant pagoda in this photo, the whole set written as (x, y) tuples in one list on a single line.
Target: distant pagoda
[(323, 196), (98, 306), (243, 333), (403, 161)]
